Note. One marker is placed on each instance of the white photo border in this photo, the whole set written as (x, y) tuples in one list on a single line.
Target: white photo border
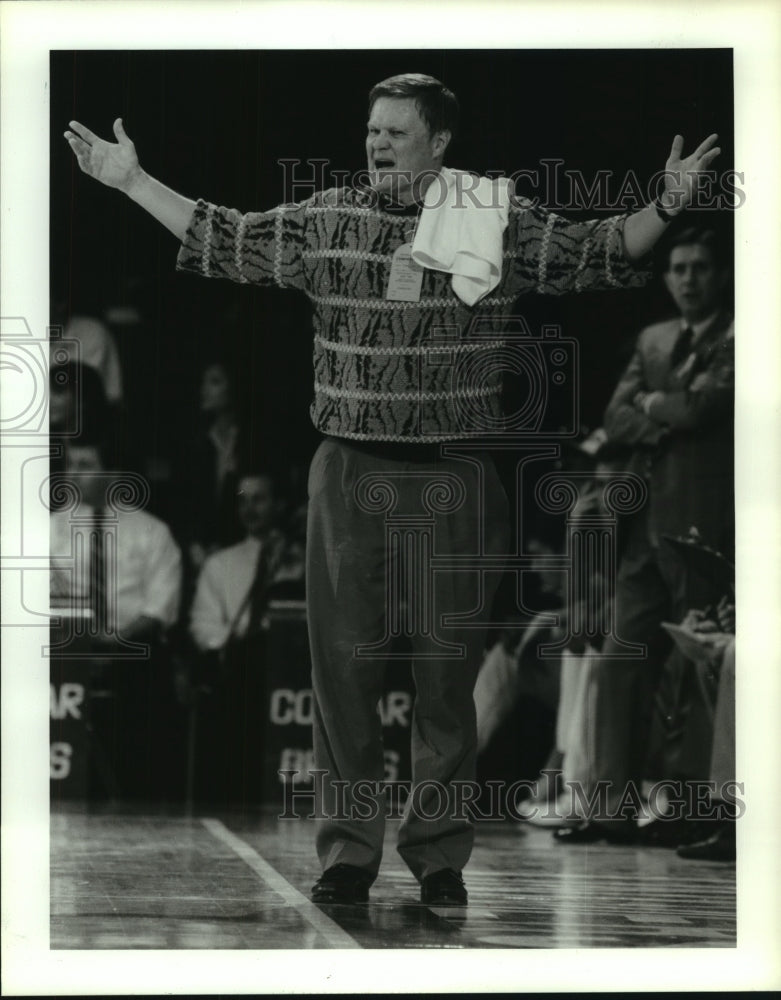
[(28, 31)]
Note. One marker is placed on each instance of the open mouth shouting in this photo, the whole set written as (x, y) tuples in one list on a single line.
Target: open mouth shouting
[(387, 176)]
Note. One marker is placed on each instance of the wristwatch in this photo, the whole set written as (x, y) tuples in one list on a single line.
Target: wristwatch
[(662, 212)]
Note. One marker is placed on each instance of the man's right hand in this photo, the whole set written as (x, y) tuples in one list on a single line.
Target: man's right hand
[(116, 164), (112, 163)]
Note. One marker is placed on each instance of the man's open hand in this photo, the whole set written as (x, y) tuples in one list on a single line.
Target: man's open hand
[(682, 174), (112, 163)]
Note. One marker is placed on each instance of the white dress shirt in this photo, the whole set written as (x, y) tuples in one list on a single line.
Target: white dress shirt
[(148, 577), (221, 606)]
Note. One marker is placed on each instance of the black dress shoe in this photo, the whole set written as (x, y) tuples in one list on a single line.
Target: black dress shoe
[(342, 884), (443, 888), (720, 846), (668, 832), (590, 833)]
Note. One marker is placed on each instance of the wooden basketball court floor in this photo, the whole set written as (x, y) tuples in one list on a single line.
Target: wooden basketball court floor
[(129, 880)]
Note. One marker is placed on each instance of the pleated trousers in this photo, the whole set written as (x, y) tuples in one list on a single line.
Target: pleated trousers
[(381, 540)]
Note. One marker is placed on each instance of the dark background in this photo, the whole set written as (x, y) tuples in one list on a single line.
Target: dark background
[(215, 124)]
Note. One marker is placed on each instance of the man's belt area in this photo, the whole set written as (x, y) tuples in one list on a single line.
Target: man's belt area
[(395, 451)]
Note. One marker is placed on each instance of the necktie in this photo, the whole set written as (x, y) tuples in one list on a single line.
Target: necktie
[(258, 590), (683, 346), (97, 589)]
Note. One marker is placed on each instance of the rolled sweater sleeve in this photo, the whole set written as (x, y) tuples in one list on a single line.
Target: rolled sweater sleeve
[(259, 248), (558, 255)]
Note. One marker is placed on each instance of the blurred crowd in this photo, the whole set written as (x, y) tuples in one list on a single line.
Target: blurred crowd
[(182, 556)]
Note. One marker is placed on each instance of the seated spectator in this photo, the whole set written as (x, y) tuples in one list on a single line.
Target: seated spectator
[(125, 566), (96, 348), (572, 745), (235, 583), (229, 617), (142, 595), (78, 405), (78, 408), (710, 645), (720, 844), (215, 445), (685, 735), (513, 668)]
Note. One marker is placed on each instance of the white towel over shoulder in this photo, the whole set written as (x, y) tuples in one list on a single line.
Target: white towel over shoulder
[(461, 231)]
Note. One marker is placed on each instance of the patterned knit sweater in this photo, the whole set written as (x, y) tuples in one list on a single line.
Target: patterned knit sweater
[(385, 370)]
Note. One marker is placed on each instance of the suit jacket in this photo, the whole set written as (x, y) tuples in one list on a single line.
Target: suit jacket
[(685, 445)]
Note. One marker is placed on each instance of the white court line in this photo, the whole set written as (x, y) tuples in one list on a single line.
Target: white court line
[(329, 929)]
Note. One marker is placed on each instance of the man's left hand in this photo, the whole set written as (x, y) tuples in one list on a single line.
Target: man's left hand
[(682, 173)]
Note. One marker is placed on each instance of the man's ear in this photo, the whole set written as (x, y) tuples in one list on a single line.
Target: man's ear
[(440, 142)]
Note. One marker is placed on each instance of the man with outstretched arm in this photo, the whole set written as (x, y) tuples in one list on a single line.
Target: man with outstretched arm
[(403, 402)]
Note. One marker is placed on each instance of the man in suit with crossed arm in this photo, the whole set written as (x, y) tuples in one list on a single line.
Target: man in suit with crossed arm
[(672, 409)]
